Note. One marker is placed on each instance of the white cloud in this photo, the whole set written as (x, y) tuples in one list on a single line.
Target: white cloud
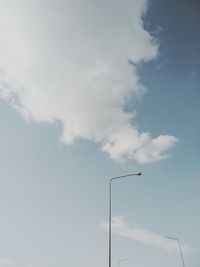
[(4, 262), (141, 147), (67, 61), (121, 228)]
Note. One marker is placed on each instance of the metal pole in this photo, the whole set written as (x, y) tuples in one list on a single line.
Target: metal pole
[(181, 253), (110, 207), (110, 214), (179, 244)]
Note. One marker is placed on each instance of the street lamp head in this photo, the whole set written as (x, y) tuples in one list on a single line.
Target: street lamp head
[(137, 173)]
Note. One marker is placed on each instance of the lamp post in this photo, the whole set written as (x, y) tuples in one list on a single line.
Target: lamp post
[(179, 244), (119, 261), (110, 211)]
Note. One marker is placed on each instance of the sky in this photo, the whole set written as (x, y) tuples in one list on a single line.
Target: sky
[(91, 90)]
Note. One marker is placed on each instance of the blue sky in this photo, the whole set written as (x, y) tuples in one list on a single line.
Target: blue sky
[(73, 113)]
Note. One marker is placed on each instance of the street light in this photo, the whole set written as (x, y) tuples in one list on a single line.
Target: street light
[(179, 244), (119, 261), (110, 211)]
